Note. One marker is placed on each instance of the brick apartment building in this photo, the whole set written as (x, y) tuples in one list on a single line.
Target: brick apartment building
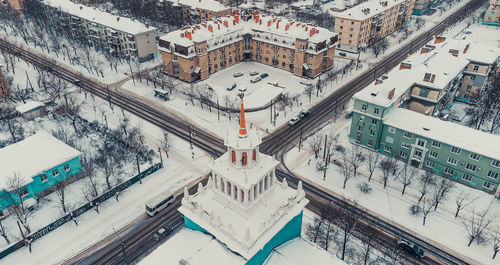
[(195, 52), (492, 15), (396, 115), (364, 24), (116, 35)]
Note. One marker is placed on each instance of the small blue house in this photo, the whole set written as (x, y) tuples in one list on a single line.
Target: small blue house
[(37, 163)]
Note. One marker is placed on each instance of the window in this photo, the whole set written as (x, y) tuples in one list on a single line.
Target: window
[(466, 177), (448, 171), (476, 67), (429, 164), (389, 139), (474, 156), (360, 128), (452, 160), (470, 167), (417, 154), (469, 87), (375, 111), (364, 107), (407, 135), (372, 133), (391, 129), (66, 167), (492, 174), (370, 142), (433, 154), (436, 144), (23, 192), (284, 56), (55, 172), (43, 178), (387, 148), (472, 77), (456, 150), (487, 185), (403, 154), (405, 145), (496, 163), (374, 121), (421, 142)]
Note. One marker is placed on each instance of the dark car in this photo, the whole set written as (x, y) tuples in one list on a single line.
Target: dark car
[(342, 54), (264, 75), (303, 113), (411, 248), (163, 232)]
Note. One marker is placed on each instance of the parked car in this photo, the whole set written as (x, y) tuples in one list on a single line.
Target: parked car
[(238, 74), (163, 232), (303, 113), (264, 75), (305, 83), (294, 121), (254, 73), (255, 79), (77, 82), (342, 54), (411, 247), (231, 87)]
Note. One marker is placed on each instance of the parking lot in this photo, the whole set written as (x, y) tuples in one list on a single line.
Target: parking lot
[(259, 93)]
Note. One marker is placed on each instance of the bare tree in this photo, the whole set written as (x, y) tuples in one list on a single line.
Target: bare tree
[(372, 159), (387, 166), (315, 143), (356, 158), (380, 46), (17, 190), (368, 235), (308, 91), (425, 182), (462, 200), (347, 221), (167, 143), (73, 109), (314, 231), (427, 204), (90, 189), (496, 242), (328, 213), (60, 191), (475, 223), (443, 187), (3, 232), (406, 176), (346, 168)]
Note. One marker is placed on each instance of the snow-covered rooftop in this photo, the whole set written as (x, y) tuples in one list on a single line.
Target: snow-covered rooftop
[(33, 156), (265, 28), (248, 234), (447, 132), (438, 62), (28, 106), (368, 9), (198, 248), (91, 14), (211, 5)]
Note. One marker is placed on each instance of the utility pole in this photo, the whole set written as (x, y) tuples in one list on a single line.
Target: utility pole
[(300, 139), (161, 158), (218, 111), (123, 246), (324, 151)]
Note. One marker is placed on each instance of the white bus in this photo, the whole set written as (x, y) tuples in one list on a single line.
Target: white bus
[(159, 202)]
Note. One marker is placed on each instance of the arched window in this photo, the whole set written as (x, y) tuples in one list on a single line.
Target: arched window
[(254, 155), (233, 156), (244, 158), (222, 185), (265, 182), (235, 192), (242, 195), (229, 188), (255, 192)]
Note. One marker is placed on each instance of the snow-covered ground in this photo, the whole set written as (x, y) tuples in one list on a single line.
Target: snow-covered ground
[(179, 170), (441, 226)]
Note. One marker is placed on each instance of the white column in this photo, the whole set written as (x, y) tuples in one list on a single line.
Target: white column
[(238, 194)]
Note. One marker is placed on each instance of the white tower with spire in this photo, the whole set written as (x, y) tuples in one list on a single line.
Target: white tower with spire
[(243, 205)]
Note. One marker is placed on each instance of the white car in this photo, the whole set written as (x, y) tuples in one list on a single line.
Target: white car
[(256, 79), (294, 121), (254, 73), (231, 87), (238, 74)]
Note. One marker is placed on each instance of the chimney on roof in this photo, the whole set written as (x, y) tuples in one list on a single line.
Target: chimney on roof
[(81, 7), (117, 18), (286, 27), (466, 48), (378, 81), (147, 26), (269, 23), (210, 28), (439, 39)]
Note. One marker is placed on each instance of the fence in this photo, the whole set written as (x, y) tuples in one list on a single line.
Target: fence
[(82, 209)]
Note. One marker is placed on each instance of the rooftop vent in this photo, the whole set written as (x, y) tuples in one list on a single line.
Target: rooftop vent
[(426, 129)]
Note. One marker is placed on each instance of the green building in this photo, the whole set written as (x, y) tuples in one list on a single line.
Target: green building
[(396, 115)]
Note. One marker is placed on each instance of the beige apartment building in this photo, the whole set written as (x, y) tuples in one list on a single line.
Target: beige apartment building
[(492, 15), (195, 52), (118, 36), (202, 10), (364, 24)]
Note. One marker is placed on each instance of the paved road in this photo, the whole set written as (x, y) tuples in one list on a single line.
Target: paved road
[(138, 238)]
